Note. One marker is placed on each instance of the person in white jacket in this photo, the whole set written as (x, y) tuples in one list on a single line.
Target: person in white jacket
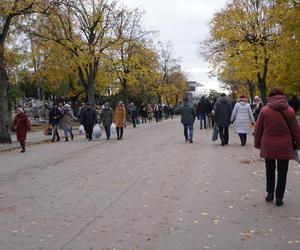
[(242, 117)]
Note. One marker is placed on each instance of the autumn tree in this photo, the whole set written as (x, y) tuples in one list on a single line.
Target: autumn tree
[(82, 28), (126, 56), (244, 36), (12, 13)]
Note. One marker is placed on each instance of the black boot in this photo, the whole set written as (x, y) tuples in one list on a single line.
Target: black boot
[(270, 197), (22, 146), (66, 139)]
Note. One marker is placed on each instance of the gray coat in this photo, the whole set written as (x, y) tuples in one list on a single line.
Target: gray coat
[(106, 117), (187, 113), (242, 117), (223, 112)]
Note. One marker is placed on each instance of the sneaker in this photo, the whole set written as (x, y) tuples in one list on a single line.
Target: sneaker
[(186, 140), (23, 151), (191, 140)]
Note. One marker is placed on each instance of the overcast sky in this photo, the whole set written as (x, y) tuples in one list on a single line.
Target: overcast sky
[(184, 23)]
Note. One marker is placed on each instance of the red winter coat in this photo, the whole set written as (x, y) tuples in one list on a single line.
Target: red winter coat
[(21, 125), (272, 134)]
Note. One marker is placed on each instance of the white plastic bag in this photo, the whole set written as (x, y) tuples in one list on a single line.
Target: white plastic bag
[(297, 155), (96, 131), (81, 130), (113, 129)]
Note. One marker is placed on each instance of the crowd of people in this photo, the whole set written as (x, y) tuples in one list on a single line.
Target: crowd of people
[(276, 134)]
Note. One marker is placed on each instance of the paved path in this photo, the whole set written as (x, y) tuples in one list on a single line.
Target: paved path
[(150, 191)]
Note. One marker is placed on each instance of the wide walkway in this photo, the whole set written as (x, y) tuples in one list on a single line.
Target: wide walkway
[(149, 191)]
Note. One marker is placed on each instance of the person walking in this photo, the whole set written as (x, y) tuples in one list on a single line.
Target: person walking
[(202, 111), (275, 131), (89, 120), (67, 118), (144, 112), (188, 115), (54, 121), (156, 112), (149, 112), (106, 118), (242, 117), (21, 125), (256, 107), (222, 117), (133, 113), (120, 119)]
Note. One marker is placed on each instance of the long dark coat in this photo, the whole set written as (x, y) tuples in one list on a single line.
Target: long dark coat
[(21, 126), (89, 118), (223, 111), (272, 134)]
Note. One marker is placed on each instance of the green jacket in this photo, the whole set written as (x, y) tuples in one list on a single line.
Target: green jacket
[(187, 113)]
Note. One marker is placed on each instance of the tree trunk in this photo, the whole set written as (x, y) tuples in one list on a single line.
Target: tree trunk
[(251, 89), (4, 124)]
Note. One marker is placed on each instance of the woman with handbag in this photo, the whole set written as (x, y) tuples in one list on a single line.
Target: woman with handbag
[(20, 126), (277, 135)]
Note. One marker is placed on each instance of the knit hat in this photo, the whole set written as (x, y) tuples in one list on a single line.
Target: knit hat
[(275, 91)]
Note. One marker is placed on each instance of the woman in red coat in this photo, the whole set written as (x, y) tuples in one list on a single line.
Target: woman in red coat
[(21, 125), (275, 130)]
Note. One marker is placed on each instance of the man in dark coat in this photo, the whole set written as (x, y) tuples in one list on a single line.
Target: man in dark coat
[(133, 113), (223, 111), (54, 120), (89, 120), (202, 111), (188, 115), (144, 113), (106, 117)]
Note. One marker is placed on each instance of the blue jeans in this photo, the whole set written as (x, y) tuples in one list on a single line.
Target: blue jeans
[(202, 118), (188, 131)]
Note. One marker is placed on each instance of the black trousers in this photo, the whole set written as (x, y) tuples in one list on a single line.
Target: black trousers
[(282, 169), (119, 133), (243, 138), (22, 144), (107, 132), (89, 132), (224, 135)]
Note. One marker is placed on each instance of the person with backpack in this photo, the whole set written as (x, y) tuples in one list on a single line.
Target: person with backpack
[(277, 135)]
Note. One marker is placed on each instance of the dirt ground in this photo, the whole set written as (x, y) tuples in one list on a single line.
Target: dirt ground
[(149, 191)]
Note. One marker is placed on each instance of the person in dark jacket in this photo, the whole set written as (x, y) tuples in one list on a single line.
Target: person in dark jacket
[(222, 117), (21, 125), (89, 120), (144, 113), (133, 113), (188, 115), (202, 111), (294, 103), (54, 120), (275, 131), (106, 118)]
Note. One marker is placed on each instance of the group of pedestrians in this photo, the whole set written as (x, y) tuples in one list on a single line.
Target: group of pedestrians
[(276, 134)]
